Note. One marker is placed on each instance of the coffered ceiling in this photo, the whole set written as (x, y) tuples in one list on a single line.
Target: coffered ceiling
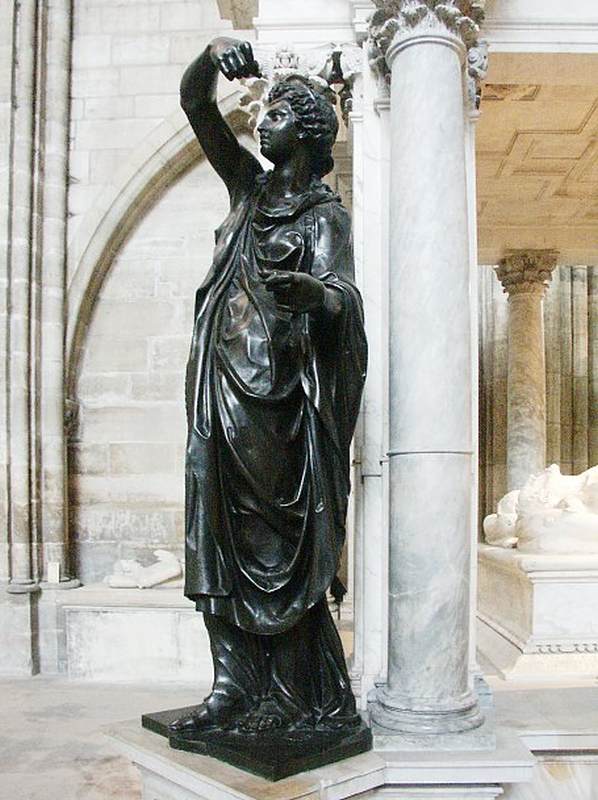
[(537, 156)]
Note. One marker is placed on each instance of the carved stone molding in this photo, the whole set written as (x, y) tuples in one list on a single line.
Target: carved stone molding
[(333, 67), (401, 19), (477, 69), (526, 271), (239, 12), (554, 648)]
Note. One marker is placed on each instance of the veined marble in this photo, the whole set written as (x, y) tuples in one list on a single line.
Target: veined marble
[(430, 452)]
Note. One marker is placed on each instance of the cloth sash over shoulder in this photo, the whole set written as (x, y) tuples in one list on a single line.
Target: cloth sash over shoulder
[(272, 400)]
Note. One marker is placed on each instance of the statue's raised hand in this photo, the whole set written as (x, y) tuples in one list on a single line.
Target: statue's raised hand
[(234, 58)]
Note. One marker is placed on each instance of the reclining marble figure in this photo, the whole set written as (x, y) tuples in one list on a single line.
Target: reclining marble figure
[(130, 574), (552, 513)]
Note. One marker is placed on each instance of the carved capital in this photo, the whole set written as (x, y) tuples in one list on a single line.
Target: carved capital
[(396, 20), (526, 271), (332, 67)]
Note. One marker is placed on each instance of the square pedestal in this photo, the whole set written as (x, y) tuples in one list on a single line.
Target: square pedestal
[(271, 754), (169, 774), (537, 614)]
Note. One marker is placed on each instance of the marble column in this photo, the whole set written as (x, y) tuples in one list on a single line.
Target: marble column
[(525, 276), (579, 377), (428, 688)]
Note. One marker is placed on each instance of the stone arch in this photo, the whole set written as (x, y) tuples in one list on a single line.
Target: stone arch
[(163, 157)]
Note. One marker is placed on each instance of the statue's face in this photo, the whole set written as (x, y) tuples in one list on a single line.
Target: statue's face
[(278, 132)]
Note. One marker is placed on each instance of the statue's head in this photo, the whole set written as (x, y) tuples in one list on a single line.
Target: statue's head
[(299, 115)]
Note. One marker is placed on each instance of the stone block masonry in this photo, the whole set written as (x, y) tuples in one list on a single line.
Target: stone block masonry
[(126, 459), (126, 455), (121, 53)]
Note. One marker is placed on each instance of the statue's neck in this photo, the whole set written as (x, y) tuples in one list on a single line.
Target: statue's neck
[(291, 177)]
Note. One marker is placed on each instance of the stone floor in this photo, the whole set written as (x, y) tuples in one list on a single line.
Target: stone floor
[(52, 746)]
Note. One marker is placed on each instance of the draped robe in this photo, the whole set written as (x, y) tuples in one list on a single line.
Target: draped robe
[(272, 399)]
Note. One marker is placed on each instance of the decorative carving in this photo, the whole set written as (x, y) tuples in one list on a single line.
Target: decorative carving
[(332, 67), (525, 271), (477, 68), (461, 18), (573, 647)]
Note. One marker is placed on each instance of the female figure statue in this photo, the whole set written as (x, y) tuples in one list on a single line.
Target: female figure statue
[(274, 380)]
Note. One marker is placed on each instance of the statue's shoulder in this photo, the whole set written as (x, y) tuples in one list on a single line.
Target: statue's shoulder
[(331, 213)]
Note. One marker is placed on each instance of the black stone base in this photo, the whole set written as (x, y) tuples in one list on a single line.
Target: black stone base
[(269, 754)]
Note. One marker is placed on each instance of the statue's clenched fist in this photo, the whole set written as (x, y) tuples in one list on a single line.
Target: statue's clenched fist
[(234, 58)]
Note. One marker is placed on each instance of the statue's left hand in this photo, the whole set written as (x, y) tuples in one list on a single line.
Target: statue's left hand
[(295, 291)]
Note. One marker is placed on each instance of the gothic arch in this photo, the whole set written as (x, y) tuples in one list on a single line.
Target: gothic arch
[(163, 157)]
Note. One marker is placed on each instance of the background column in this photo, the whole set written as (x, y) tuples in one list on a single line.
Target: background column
[(53, 479), (525, 276), (22, 570), (431, 447)]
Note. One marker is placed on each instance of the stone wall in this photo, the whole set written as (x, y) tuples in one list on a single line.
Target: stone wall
[(128, 59), (126, 462), (126, 454)]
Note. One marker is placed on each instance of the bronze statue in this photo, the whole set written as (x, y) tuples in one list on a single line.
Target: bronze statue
[(274, 381)]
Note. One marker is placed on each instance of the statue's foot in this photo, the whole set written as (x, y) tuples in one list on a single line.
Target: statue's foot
[(199, 719), (269, 715), (258, 720), (213, 713)]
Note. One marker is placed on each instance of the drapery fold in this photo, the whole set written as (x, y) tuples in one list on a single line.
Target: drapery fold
[(272, 401)]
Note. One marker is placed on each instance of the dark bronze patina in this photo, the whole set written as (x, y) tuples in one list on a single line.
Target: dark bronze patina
[(273, 386)]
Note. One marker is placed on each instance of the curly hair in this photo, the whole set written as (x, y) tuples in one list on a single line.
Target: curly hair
[(315, 118)]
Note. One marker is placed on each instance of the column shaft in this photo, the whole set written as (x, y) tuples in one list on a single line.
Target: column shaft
[(579, 399), (525, 276), (552, 349), (18, 355), (54, 500), (526, 390), (431, 474)]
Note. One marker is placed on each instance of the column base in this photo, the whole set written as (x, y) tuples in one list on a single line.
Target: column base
[(389, 719), (65, 583), (22, 588)]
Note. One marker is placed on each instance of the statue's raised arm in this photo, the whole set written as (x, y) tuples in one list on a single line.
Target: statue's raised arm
[(235, 165), (273, 385)]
